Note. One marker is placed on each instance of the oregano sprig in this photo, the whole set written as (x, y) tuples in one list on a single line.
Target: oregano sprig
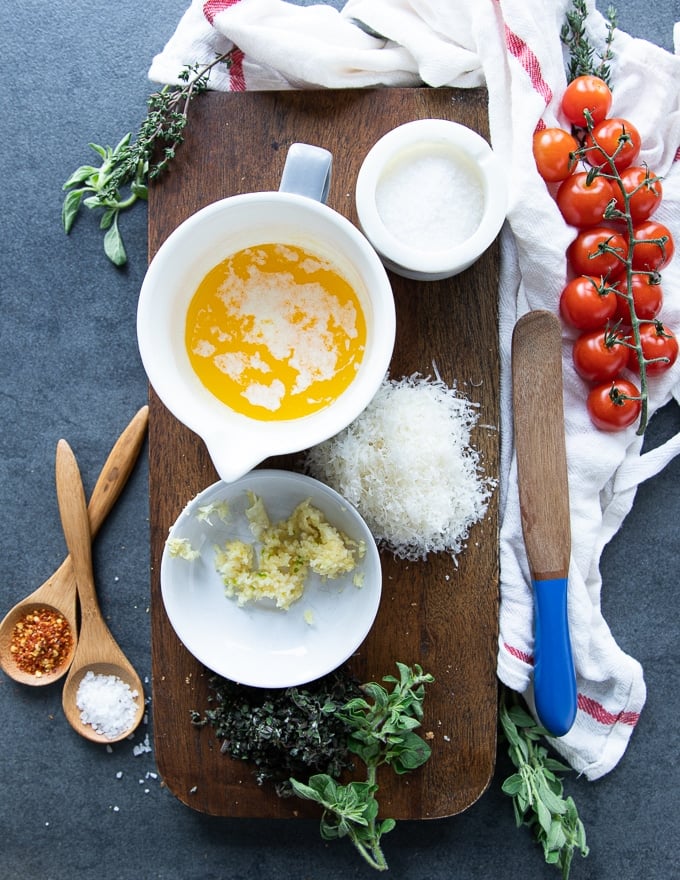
[(537, 792), (382, 732), (122, 177)]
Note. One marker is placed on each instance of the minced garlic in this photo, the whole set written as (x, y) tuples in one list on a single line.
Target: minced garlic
[(181, 547), (288, 551)]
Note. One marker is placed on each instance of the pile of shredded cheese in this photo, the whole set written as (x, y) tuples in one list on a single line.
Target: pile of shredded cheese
[(407, 465)]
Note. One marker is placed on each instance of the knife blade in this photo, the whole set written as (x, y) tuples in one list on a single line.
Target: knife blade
[(538, 412)]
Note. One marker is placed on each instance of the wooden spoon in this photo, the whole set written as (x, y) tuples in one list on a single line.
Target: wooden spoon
[(538, 412), (58, 593), (97, 651)]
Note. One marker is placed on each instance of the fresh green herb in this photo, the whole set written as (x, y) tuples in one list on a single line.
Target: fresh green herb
[(122, 177), (283, 732), (537, 792), (583, 57), (382, 733)]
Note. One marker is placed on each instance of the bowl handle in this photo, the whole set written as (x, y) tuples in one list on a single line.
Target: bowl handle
[(307, 172)]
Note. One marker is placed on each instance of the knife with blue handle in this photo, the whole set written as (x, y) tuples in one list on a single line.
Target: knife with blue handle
[(538, 414)]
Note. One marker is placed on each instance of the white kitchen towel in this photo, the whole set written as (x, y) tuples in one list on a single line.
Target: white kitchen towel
[(512, 47)]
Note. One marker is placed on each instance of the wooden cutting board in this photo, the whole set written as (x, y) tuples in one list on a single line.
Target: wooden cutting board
[(436, 613)]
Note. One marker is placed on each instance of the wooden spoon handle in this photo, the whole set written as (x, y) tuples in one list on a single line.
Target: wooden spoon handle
[(76, 525), (117, 469)]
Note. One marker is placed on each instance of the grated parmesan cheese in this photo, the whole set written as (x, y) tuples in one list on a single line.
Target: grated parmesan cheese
[(407, 465)]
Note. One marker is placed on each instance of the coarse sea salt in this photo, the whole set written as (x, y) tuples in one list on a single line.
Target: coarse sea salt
[(430, 201), (106, 703)]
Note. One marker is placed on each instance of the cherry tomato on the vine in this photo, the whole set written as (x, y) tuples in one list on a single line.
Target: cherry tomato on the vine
[(586, 93), (554, 150), (582, 201), (654, 246), (598, 251), (616, 138), (644, 192), (656, 341), (647, 297), (614, 405), (599, 355), (586, 303)]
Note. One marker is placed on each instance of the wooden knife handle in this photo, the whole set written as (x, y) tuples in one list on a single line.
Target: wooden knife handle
[(540, 443)]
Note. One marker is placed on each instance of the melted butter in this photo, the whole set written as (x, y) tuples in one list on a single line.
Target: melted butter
[(275, 332)]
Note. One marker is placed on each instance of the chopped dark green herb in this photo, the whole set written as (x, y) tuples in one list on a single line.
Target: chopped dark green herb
[(283, 732)]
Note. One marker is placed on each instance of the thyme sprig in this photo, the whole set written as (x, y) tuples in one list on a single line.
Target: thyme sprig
[(382, 733), (583, 57), (537, 792), (122, 177)]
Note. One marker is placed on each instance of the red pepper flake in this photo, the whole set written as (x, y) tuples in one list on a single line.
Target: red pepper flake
[(41, 641)]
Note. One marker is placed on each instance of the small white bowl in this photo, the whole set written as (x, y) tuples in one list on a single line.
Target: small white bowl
[(258, 644), (431, 197)]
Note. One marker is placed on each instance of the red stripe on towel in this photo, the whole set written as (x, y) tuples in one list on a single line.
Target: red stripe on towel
[(237, 80), (521, 655), (213, 7), (519, 49), (585, 704), (604, 716)]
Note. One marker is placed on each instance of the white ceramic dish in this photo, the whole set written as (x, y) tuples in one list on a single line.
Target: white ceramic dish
[(237, 443), (421, 181), (258, 644)]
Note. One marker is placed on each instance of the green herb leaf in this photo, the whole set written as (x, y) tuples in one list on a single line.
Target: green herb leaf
[(113, 244), (80, 175), (107, 218), (101, 151), (537, 792), (69, 209), (122, 178)]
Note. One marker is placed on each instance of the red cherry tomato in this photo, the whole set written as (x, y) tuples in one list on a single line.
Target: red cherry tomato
[(615, 138), (598, 251), (587, 304), (599, 355), (614, 405), (656, 341), (654, 246), (581, 201), (647, 298), (554, 150), (586, 93), (644, 192)]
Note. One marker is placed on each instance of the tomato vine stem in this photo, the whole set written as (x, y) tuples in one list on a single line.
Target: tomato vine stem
[(625, 216)]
